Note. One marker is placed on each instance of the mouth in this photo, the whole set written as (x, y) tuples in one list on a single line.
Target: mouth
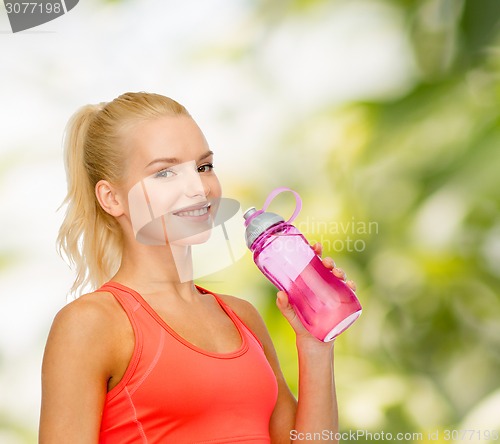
[(193, 211)]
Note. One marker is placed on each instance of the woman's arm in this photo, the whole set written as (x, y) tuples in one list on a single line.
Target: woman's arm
[(316, 419), (75, 370), (317, 409)]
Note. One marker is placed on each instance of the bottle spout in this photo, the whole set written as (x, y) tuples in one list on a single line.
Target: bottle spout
[(249, 212)]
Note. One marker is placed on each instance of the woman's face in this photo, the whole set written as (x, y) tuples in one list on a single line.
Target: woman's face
[(173, 192)]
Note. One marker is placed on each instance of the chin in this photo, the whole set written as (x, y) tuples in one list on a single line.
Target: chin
[(195, 239)]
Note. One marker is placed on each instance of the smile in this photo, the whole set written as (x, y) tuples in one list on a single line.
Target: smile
[(194, 211)]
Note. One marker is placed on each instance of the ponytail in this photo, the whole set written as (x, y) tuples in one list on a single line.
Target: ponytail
[(89, 237)]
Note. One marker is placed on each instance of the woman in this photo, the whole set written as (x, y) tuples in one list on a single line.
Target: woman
[(149, 357)]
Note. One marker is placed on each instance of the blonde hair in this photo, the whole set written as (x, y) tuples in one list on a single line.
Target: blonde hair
[(89, 237)]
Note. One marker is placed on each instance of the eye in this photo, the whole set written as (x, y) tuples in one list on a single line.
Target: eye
[(165, 173), (205, 168)]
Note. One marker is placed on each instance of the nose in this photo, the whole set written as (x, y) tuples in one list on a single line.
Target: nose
[(195, 185)]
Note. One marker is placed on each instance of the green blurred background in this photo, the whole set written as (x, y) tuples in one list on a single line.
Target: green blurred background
[(400, 182)]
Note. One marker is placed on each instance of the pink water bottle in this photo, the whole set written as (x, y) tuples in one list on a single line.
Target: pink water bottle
[(324, 303)]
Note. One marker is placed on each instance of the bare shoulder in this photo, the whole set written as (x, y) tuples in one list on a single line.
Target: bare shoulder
[(83, 337), (88, 323), (89, 312), (245, 310)]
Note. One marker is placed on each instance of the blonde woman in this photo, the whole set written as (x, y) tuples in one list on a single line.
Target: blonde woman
[(149, 357)]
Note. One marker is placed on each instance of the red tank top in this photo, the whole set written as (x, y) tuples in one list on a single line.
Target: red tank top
[(175, 392)]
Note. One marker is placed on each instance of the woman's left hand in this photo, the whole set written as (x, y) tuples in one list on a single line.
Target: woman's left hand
[(286, 308)]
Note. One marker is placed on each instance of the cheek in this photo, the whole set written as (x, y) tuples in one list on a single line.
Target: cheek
[(149, 199), (163, 199), (215, 186)]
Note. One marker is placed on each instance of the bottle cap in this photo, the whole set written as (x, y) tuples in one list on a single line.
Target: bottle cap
[(258, 223)]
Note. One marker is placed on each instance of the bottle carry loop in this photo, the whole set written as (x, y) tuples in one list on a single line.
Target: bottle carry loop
[(270, 198)]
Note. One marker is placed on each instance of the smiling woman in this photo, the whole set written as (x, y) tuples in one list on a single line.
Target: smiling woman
[(149, 356)]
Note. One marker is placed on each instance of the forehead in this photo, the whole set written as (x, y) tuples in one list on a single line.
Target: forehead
[(167, 136)]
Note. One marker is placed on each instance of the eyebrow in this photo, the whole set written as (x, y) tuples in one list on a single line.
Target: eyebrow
[(175, 160)]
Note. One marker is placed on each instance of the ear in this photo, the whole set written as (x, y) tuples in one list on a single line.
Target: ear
[(109, 198)]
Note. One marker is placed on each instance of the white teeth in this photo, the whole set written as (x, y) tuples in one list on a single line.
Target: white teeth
[(191, 213)]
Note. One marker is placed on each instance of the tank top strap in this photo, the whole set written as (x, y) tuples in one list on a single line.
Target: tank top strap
[(130, 305), (126, 299)]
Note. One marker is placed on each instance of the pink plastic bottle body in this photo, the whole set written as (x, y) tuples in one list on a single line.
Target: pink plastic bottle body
[(324, 303)]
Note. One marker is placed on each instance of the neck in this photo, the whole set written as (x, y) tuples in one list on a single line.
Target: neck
[(157, 270)]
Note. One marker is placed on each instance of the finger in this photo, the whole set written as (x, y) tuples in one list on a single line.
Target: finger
[(339, 273), (328, 262), (282, 300), (352, 285), (318, 248)]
